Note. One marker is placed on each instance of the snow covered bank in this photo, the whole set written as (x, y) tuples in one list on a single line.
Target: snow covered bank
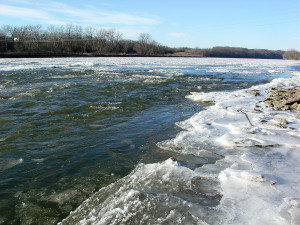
[(262, 183)]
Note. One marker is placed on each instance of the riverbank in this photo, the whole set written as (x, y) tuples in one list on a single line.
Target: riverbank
[(215, 52), (259, 128)]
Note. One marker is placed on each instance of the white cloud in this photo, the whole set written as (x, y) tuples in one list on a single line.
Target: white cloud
[(27, 14), (178, 34), (52, 12)]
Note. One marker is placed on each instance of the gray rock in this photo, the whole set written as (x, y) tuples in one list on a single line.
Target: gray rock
[(284, 99), (255, 92)]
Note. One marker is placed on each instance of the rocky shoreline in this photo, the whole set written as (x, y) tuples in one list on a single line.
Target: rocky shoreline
[(284, 99)]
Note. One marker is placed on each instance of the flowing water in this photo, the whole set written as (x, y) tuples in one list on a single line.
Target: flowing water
[(71, 126)]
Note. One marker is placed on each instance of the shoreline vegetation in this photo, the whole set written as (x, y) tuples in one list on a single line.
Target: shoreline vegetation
[(75, 41)]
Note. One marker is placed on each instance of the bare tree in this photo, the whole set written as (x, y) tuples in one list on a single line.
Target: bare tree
[(292, 55), (101, 41), (88, 40), (143, 45), (5, 34), (113, 38)]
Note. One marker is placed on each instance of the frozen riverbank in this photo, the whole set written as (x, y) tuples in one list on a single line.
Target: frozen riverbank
[(262, 183)]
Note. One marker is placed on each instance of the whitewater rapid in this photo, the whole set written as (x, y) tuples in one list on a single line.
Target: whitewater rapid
[(234, 164)]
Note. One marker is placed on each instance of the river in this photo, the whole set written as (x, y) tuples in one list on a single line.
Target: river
[(69, 127)]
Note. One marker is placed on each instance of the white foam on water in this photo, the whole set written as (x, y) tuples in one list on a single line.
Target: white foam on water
[(10, 163), (105, 106)]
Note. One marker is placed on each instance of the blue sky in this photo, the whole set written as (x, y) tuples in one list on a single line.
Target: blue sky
[(269, 24)]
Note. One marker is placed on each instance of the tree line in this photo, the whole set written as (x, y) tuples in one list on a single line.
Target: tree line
[(233, 52), (227, 52), (72, 40)]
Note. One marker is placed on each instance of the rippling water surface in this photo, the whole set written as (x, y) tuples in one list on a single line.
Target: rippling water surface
[(70, 126)]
